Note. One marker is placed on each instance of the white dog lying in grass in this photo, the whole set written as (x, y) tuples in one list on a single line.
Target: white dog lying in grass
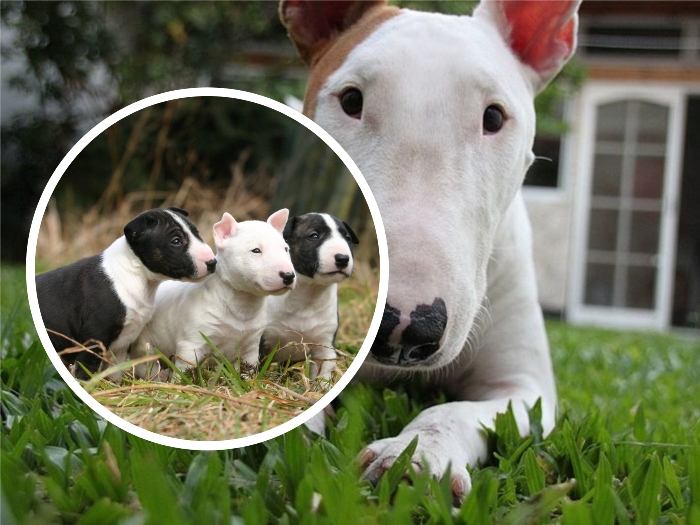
[(252, 262)]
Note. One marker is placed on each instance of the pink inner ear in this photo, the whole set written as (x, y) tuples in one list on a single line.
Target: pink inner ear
[(225, 228), (278, 219), (542, 33)]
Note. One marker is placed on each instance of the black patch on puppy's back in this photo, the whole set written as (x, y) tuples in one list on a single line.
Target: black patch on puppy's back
[(162, 243)]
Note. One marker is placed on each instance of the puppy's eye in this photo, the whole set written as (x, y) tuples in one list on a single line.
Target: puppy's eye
[(176, 241), (286, 249), (256, 250), (351, 102), (493, 119), (313, 235)]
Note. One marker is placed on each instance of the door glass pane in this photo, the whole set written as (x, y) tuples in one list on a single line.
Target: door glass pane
[(607, 174), (653, 123), (641, 287), (627, 187), (600, 280), (602, 230), (611, 122), (644, 232), (649, 177)]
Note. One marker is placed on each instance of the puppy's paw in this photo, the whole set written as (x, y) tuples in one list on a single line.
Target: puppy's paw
[(431, 455)]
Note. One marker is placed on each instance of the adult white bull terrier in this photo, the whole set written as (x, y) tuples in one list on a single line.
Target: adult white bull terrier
[(321, 251), (437, 111), (110, 297), (252, 262)]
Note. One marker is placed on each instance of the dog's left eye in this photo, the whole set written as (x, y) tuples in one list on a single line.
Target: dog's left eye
[(493, 119), (176, 241), (256, 250)]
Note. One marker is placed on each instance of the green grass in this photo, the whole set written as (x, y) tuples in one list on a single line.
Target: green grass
[(628, 433)]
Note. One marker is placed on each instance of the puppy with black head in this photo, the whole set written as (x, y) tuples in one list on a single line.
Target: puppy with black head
[(109, 297), (321, 249)]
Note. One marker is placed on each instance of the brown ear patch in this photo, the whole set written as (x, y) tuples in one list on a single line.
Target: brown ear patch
[(313, 25), (333, 55)]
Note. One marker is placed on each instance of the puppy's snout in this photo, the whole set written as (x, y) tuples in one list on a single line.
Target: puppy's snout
[(419, 340), (287, 277), (342, 260), (211, 265)]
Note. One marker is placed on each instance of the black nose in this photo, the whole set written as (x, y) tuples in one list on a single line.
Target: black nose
[(287, 277), (341, 260), (419, 340), (211, 265)]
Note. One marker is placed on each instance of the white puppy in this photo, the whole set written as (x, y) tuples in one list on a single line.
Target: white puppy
[(321, 248), (252, 262)]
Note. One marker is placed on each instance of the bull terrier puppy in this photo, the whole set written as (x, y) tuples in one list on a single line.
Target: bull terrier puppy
[(253, 262), (110, 297), (321, 249)]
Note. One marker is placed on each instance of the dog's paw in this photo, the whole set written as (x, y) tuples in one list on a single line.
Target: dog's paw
[(435, 453)]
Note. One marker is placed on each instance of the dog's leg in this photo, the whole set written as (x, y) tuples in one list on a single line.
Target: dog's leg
[(323, 362), (511, 366)]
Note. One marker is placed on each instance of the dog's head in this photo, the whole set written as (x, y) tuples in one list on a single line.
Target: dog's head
[(321, 247), (253, 256), (168, 244), (437, 111)]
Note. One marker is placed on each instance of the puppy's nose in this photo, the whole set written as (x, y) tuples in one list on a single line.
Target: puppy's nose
[(287, 277), (342, 260), (419, 340), (211, 265)]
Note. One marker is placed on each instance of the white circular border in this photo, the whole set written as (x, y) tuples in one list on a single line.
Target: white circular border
[(184, 443)]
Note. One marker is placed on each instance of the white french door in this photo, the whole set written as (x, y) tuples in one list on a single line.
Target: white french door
[(626, 205)]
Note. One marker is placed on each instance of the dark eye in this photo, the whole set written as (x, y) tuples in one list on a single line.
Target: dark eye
[(256, 250), (313, 235), (351, 102), (286, 249), (176, 241), (493, 119)]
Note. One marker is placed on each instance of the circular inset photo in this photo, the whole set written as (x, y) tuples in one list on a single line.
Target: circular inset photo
[(204, 269)]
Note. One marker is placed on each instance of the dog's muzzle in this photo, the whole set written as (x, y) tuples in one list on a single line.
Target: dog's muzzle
[(419, 340), (211, 266)]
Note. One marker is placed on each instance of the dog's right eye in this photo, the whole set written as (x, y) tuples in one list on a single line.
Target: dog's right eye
[(256, 250), (176, 241), (351, 102), (314, 235)]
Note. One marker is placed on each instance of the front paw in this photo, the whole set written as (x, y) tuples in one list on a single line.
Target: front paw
[(435, 452)]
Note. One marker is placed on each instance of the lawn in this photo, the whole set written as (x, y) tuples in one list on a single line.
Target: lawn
[(626, 450)]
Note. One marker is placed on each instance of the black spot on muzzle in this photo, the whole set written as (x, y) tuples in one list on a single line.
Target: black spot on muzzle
[(420, 339)]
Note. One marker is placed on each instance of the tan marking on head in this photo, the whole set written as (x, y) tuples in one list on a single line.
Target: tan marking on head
[(333, 56)]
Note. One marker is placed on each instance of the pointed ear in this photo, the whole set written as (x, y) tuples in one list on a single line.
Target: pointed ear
[(225, 228), (313, 24), (353, 236), (278, 219), (541, 33), (289, 228), (138, 225)]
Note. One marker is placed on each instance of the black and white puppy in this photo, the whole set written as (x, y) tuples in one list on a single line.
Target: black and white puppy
[(109, 297), (321, 249)]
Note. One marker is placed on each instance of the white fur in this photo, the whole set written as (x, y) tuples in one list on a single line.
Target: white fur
[(136, 285), (455, 221), (229, 307)]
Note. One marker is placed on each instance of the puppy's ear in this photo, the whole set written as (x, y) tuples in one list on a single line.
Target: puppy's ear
[(138, 225), (182, 212), (227, 227), (314, 24), (289, 227), (278, 219), (353, 236)]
